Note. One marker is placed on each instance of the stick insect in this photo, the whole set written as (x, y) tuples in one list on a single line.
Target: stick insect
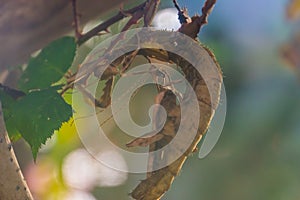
[(158, 181)]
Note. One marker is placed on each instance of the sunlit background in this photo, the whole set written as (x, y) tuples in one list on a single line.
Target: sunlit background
[(257, 155)]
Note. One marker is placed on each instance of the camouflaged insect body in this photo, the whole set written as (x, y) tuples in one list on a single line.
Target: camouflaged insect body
[(159, 181)]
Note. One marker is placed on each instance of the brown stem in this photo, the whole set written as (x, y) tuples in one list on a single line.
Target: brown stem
[(75, 19), (103, 26), (206, 10), (176, 5), (12, 183)]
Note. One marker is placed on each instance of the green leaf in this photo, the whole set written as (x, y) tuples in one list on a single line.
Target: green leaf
[(7, 103), (50, 65), (38, 114)]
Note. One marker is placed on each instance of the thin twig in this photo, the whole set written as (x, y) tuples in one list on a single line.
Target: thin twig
[(191, 26), (206, 10), (103, 26), (66, 88), (149, 11), (182, 13), (176, 5), (76, 19)]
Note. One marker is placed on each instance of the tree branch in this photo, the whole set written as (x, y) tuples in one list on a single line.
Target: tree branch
[(192, 26), (75, 19), (103, 26), (12, 183), (206, 10)]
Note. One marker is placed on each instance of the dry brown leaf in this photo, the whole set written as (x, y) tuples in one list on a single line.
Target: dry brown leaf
[(159, 181), (207, 92), (109, 75)]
